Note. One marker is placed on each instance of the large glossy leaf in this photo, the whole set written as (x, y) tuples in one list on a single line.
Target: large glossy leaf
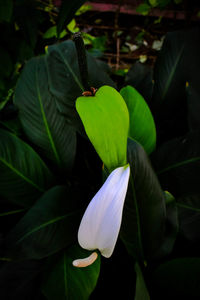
[(49, 226), (23, 175), (177, 163), (140, 76), (169, 104), (66, 13), (142, 127), (177, 279), (63, 281), (39, 116), (168, 71), (65, 81), (144, 215), (106, 120), (178, 64)]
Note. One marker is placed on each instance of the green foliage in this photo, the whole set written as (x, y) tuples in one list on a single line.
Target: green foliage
[(24, 179), (6, 10), (48, 129), (106, 112), (54, 214), (141, 292), (143, 226), (61, 277), (49, 169), (66, 13), (145, 7), (178, 278), (142, 126)]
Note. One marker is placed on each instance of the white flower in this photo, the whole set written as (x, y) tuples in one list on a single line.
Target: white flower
[(101, 221)]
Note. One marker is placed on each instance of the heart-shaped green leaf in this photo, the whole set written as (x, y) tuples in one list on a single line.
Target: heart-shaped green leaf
[(106, 121), (142, 127)]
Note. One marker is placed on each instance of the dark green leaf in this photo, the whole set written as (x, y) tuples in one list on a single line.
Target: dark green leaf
[(19, 279), (23, 175), (189, 217), (141, 292), (49, 226), (167, 71), (66, 13), (12, 125), (172, 225), (6, 10), (169, 97), (143, 9), (64, 79), (177, 64), (177, 163), (5, 63), (144, 214), (28, 16), (177, 279), (140, 76), (41, 121), (193, 100), (63, 281)]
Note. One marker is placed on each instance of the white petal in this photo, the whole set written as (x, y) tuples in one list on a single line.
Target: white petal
[(101, 221)]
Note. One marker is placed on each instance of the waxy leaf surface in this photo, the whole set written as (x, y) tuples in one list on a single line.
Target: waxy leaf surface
[(106, 121)]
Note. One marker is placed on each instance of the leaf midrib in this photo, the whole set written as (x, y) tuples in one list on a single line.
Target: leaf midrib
[(70, 70), (45, 121), (188, 207), (44, 225), (21, 175), (179, 164), (171, 74)]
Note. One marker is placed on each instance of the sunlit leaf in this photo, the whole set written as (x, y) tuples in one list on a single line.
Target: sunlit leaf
[(142, 127), (106, 121)]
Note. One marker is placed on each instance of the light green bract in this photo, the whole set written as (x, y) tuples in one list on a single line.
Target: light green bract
[(106, 120), (142, 126)]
